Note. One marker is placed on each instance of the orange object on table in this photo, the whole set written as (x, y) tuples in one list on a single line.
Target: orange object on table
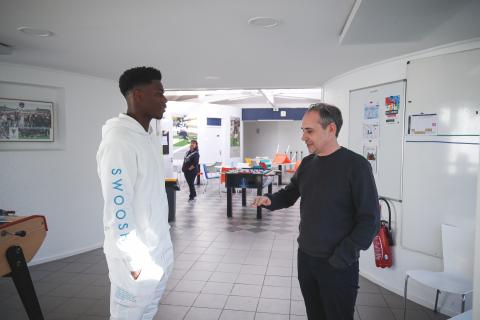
[(281, 158)]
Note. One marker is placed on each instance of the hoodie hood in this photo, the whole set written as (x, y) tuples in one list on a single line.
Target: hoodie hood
[(124, 121)]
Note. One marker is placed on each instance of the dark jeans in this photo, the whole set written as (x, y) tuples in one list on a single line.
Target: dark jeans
[(329, 293), (190, 177)]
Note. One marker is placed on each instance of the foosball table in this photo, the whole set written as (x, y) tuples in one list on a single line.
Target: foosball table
[(20, 239)]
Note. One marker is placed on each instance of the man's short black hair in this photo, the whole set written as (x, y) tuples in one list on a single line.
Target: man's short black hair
[(137, 76), (328, 113)]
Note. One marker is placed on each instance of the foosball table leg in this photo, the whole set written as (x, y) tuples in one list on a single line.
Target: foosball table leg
[(23, 282)]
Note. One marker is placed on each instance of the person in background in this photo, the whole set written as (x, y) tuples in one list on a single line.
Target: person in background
[(137, 243), (190, 168), (339, 215)]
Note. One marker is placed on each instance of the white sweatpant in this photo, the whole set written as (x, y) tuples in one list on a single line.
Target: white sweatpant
[(138, 299)]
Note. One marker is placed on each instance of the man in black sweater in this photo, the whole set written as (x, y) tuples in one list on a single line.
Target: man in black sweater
[(339, 215)]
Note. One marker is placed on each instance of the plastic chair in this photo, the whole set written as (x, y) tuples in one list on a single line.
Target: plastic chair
[(457, 274), (210, 172), (295, 167), (280, 158)]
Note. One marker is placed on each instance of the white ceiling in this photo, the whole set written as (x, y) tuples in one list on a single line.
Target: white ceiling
[(189, 40)]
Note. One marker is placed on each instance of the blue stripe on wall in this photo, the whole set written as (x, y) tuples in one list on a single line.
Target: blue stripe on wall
[(269, 114), (214, 122)]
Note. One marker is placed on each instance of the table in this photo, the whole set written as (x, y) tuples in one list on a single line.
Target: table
[(247, 178), (171, 187)]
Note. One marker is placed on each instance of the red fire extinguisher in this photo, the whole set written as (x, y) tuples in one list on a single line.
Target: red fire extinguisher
[(383, 241)]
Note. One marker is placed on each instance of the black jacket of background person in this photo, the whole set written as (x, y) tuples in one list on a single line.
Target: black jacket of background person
[(339, 210), (191, 159)]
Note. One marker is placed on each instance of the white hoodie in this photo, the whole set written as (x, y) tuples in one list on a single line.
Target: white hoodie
[(135, 215)]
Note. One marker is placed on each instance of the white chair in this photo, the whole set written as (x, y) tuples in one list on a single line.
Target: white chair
[(457, 274)]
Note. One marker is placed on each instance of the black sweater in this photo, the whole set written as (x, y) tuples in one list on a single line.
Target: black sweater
[(339, 210), (191, 159)]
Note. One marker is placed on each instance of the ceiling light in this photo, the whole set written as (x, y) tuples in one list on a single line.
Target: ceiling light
[(35, 32), (265, 22), (5, 49)]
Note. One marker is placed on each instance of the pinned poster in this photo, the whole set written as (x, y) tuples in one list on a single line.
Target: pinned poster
[(370, 112), (392, 107), (370, 131), (370, 153)]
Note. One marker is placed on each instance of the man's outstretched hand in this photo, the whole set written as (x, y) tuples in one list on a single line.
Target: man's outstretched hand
[(261, 201)]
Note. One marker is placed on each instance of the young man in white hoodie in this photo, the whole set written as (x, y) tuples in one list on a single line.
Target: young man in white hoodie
[(137, 243)]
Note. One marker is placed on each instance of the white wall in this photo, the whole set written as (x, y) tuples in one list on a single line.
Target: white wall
[(336, 91), (261, 138), (60, 179)]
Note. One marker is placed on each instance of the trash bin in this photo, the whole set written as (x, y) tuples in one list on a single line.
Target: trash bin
[(171, 186)]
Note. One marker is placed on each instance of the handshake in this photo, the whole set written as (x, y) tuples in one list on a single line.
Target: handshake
[(261, 201)]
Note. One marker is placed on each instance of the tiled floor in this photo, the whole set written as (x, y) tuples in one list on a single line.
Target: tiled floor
[(238, 268)]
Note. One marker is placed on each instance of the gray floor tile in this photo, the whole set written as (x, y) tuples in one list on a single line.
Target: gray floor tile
[(411, 314), (75, 306), (66, 290), (246, 290), (242, 303), (271, 316), (61, 316), (367, 286), (229, 267), (203, 313), (237, 315), (78, 267), (397, 302), (227, 277), (190, 286), (278, 281), (297, 308), (253, 269), (244, 278), (274, 306), (213, 301), (275, 292), (296, 294), (14, 314), (375, 313), (169, 312), (180, 298), (370, 299), (101, 307), (87, 317), (198, 275), (92, 292), (295, 317), (217, 288), (205, 266)]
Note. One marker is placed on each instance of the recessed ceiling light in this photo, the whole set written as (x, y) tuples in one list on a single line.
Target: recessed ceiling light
[(212, 78), (265, 22), (35, 32)]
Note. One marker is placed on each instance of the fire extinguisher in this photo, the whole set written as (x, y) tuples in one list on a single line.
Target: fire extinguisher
[(383, 241)]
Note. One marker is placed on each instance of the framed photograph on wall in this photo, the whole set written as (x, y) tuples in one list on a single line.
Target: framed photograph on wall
[(25, 120)]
